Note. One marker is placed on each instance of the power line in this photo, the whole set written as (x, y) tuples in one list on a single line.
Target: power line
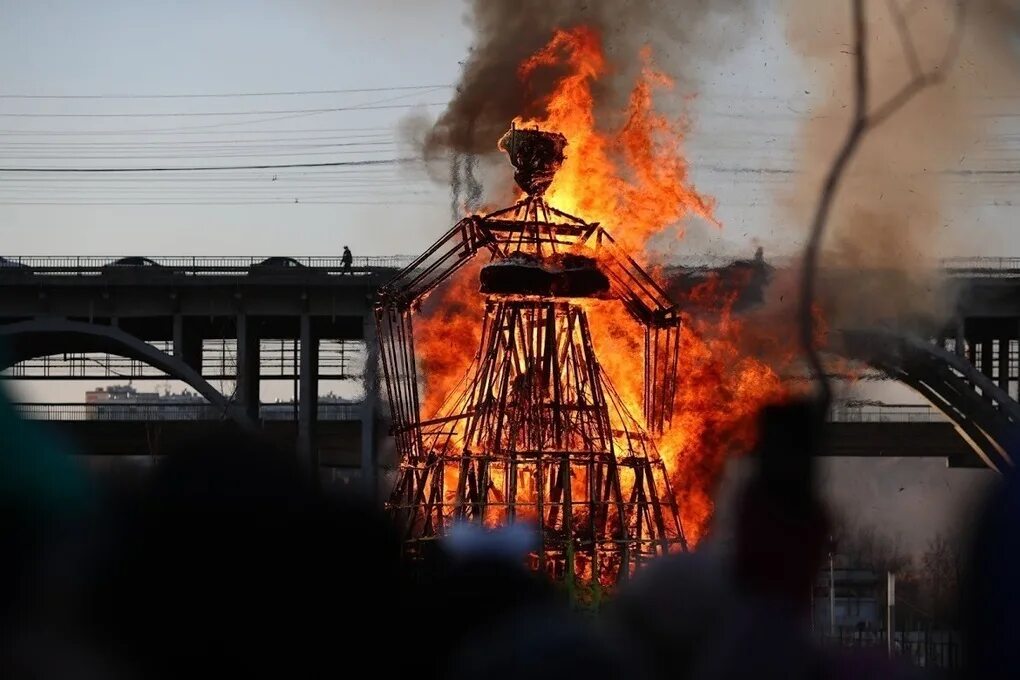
[(198, 154), (177, 114), (206, 203), (184, 131), (223, 94), (385, 161), (365, 106), (189, 129), (373, 138)]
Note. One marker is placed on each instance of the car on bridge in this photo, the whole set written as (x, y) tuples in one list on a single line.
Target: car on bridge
[(130, 267), (133, 261), (281, 265), (9, 266)]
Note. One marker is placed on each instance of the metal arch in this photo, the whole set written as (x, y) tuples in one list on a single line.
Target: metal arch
[(30, 339), (984, 414)]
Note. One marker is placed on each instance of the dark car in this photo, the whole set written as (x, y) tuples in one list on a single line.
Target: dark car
[(9, 266), (279, 265), (129, 268), (133, 261)]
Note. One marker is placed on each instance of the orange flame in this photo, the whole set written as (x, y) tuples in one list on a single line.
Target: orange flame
[(634, 179), (447, 335)]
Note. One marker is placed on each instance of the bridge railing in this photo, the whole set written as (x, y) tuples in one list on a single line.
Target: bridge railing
[(850, 412), (284, 411), (989, 266), (82, 265), (155, 411), (338, 360)]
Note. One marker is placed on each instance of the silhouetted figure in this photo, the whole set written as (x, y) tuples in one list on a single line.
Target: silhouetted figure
[(232, 566), (347, 260), (541, 643), (780, 535), (665, 617), (46, 508), (992, 595), (476, 571)]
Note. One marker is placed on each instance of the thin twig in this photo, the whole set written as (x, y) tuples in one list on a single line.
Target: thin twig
[(906, 40), (862, 122), (807, 300)]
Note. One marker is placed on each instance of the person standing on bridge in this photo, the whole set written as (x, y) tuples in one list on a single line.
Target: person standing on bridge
[(347, 260)]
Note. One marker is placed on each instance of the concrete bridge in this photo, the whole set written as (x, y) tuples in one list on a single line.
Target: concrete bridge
[(243, 319), (170, 317)]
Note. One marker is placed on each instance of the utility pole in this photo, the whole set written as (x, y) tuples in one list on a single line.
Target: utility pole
[(832, 598), (890, 621)]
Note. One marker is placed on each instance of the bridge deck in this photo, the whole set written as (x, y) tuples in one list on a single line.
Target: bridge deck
[(870, 431), (195, 305)]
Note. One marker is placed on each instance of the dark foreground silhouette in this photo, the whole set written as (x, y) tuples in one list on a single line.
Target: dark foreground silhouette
[(229, 563)]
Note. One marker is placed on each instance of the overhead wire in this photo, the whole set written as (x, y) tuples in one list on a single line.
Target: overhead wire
[(222, 94), (265, 166), (177, 114)]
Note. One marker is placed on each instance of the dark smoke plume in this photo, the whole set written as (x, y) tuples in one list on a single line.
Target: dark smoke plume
[(490, 95), (465, 187), (890, 220)]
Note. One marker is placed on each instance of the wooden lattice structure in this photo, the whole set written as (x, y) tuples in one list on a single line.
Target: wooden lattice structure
[(536, 432)]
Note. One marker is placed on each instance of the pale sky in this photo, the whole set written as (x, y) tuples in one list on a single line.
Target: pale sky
[(748, 108), (111, 47), (747, 113)]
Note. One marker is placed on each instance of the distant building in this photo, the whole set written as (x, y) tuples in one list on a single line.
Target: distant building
[(331, 407), (124, 402), (858, 595)]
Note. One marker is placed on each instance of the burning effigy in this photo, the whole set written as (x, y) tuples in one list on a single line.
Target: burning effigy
[(537, 432), (537, 369)]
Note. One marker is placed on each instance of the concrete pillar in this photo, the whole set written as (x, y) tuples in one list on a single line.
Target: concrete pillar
[(986, 357), (308, 397), (187, 343), (369, 409), (890, 616), (1003, 380), (248, 366)]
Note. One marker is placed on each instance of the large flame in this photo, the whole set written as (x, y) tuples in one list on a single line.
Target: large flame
[(633, 179)]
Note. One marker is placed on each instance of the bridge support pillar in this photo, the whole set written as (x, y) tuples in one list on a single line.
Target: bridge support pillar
[(187, 343), (308, 398), (369, 450), (986, 358), (248, 348), (1003, 358)]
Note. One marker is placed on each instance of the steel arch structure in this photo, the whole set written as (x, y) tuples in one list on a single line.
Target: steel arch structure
[(25, 340), (984, 414)]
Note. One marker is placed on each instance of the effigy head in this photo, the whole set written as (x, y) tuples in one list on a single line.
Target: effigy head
[(536, 155)]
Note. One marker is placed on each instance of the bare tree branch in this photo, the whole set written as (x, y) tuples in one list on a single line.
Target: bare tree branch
[(863, 121), (923, 79), (809, 274), (906, 40)]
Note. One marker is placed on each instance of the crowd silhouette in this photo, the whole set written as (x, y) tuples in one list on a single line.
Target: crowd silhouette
[(227, 561)]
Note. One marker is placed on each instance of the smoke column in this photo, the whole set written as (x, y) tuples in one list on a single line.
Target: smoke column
[(890, 221), (490, 95)]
